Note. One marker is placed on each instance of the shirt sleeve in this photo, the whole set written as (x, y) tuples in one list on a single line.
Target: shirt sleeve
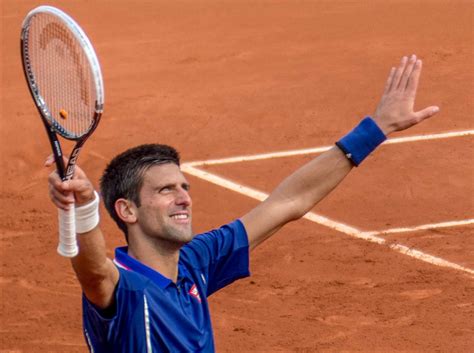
[(102, 329), (222, 255)]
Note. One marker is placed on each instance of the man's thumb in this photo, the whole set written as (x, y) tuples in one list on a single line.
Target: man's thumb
[(426, 113)]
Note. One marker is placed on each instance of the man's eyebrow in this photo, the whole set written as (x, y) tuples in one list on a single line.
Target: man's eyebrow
[(172, 184), (163, 185)]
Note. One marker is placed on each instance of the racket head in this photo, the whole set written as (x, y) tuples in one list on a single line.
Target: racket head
[(62, 71)]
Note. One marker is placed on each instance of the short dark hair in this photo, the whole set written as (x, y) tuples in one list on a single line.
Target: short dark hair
[(123, 176)]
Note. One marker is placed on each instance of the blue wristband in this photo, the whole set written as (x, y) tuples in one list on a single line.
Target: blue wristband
[(361, 141)]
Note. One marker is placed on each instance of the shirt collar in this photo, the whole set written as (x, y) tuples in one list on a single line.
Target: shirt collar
[(123, 260)]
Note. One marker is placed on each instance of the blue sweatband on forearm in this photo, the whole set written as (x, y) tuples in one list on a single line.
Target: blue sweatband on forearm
[(361, 141)]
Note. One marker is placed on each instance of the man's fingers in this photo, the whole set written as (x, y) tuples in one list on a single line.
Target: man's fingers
[(64, 193), (426, 113), (78, 185), (55, 181), (408, 71), (60, 198), (398, 73), (78, 172), (49, 161), (59, 186), (412, 84), (388, 84)]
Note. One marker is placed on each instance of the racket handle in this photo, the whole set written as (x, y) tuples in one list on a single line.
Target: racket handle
[(67, 233)]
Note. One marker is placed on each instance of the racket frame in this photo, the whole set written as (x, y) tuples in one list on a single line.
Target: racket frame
[(67, 232)]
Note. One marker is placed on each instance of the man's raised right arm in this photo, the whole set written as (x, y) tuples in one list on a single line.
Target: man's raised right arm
[(96, 273)]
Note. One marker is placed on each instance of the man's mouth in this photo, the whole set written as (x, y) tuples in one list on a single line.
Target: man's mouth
[(180, 216)]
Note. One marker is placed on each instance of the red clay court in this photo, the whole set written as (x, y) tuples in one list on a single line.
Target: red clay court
[(248, 91)]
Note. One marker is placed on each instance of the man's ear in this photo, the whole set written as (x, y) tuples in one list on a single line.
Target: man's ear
[(126, 210)]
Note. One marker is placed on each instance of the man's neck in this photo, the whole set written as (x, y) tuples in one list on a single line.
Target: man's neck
[(162, 257)]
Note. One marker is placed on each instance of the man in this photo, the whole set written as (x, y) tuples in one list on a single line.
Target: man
[(153, 296)]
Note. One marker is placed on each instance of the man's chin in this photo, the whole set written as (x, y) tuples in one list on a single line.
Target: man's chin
[(190, 237), (184, 237)]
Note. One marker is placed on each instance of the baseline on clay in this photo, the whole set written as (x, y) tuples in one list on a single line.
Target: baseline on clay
[(372, 236)]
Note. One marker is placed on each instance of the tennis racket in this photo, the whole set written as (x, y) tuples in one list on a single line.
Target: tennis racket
[(65, 81)]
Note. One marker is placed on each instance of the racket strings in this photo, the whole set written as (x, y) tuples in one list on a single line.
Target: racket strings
[(53, 31), (62, 75)]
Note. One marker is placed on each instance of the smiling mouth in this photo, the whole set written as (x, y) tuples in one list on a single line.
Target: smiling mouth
[(180, 216)]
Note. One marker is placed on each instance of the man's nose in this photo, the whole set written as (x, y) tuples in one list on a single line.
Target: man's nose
[(183, 197)]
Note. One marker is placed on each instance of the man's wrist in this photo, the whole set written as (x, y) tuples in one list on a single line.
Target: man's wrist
[(87, 216), (361, 141), (382, 126)]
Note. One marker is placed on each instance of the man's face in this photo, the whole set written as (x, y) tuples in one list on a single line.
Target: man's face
[(165, 211)]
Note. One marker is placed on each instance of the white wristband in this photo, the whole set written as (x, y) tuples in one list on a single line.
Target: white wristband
[(87, 216)]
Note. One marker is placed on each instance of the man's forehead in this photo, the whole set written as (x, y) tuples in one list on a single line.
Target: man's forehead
[(164, 173)]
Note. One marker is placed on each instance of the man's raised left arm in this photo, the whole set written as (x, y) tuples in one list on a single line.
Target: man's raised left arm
[(308, 185)]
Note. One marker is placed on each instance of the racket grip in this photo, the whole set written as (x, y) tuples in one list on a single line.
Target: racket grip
[(67, 233)]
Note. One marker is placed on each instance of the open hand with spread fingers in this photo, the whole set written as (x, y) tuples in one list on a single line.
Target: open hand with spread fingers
[(395, 110)]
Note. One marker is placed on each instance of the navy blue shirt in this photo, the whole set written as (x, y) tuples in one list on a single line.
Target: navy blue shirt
[(154, 314)]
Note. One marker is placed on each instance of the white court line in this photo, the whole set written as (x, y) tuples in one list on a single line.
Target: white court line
[(417, 254), (444, 135), (464, 222), (261, 196), (225, 183), (341, 227), (256, 157), (325, 148)]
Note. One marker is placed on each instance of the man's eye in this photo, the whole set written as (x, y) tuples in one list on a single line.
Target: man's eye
[(165, 189)]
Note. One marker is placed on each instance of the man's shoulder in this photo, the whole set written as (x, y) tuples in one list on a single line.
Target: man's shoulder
[(131, 280), (207, 245), (233, 227)]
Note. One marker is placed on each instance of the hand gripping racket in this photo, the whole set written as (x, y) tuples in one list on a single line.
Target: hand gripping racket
[(65, 81)]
